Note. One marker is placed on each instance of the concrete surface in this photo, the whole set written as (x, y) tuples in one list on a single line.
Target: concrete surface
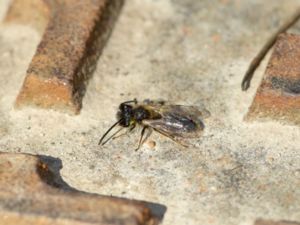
[(188, 52)]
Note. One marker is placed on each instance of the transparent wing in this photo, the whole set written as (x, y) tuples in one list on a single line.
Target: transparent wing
[(178, 120)]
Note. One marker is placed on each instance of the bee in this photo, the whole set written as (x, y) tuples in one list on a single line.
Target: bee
[(176, 122)]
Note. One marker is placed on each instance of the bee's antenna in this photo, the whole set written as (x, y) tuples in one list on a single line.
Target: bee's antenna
[(131, 101), (112, 136), (104, 135)]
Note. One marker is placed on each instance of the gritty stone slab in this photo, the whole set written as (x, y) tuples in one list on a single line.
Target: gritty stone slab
[(278, 95), (32, 193), (187, 52), (272, 222), (71, 44)]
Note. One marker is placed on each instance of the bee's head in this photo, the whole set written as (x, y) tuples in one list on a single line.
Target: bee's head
[(125, 114)]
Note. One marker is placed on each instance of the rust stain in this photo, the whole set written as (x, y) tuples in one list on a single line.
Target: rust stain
[(75, 33), (31, 194), (278, 96)]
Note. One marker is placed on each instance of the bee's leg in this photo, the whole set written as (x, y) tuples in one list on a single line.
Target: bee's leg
[(142, 141), (141, 138), (126, 132), (173, 138)]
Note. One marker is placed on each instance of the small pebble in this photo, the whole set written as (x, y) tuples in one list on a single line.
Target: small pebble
[(151, 144)]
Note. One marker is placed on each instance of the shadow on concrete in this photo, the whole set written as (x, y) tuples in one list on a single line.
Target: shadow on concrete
[(52, 177)]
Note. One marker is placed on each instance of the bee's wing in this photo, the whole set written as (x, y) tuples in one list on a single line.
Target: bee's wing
[(178, 120), (195, 112)]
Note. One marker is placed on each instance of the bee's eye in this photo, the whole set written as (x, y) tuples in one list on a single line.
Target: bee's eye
[(125, 108)]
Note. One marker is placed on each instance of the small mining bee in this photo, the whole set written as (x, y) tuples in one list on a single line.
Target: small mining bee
[(173, 121)]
